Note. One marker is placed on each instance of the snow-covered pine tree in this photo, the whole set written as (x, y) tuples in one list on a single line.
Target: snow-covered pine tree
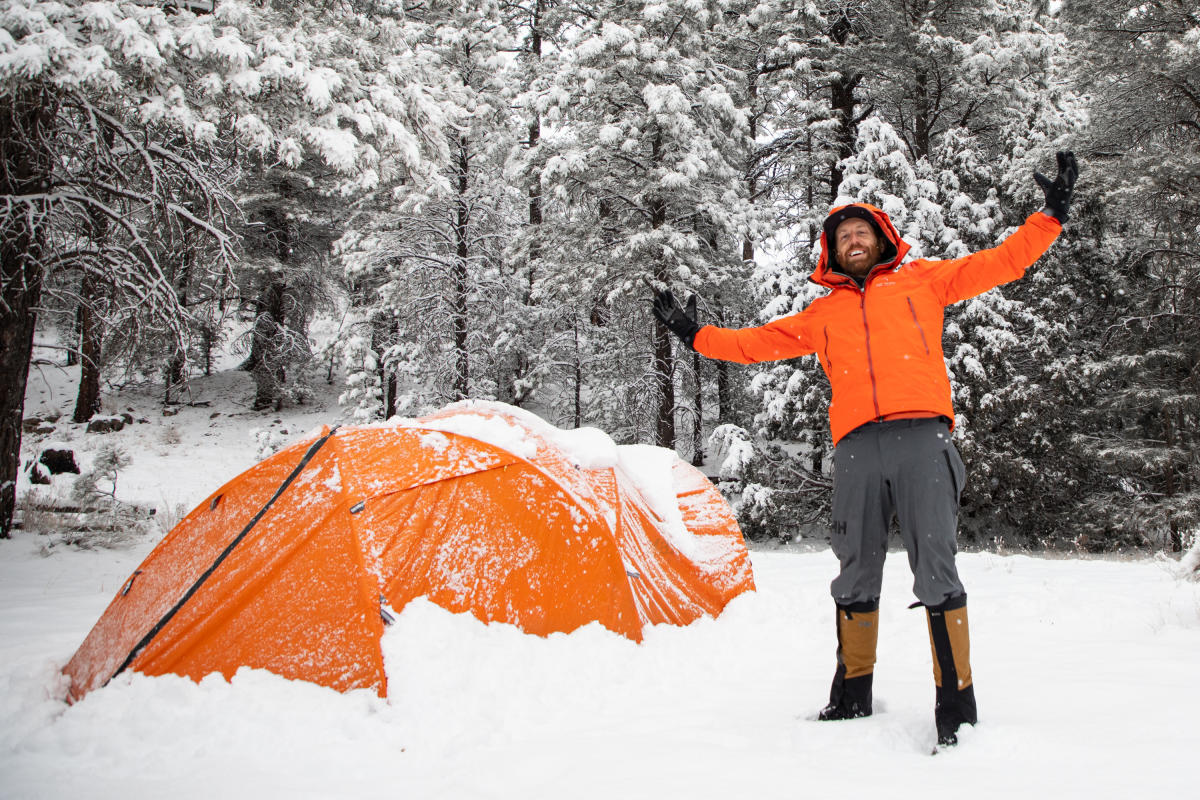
[(765, 41), (806, 87), (643, 145), (354, 103), (949, 82), (254, 79), (932, 66), (1138, 264), (1025, 474), (428, 275), (998, 344), (75, 205), (538, 332)]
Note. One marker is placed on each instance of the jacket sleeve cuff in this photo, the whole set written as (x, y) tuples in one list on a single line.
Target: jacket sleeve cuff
[(1046, 212)]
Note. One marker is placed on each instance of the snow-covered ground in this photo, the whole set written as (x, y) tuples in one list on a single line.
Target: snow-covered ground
[(1086, 673)]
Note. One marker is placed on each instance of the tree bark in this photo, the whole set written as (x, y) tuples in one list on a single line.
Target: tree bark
[(843, 102), (267, 342), (664, 357), (1174, 534), (664, 376), (87, 400), (176, 373), (459, 290), (535, 135), (698, 417), (91, 328), (25, 124), (578, 377), (76, 326), (264, 349), (524, 361), (724, 394), (922, 117), (381, 333)]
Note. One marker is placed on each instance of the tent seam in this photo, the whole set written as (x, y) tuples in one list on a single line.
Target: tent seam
[(195, 587)]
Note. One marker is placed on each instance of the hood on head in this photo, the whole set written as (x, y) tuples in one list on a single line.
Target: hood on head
[(828, 272)]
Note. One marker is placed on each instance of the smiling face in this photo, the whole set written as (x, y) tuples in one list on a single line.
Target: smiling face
[(857, 246)]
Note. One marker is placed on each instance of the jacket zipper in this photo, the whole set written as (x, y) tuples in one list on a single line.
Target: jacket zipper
[(862, 299), (828, 360), (917, 322)]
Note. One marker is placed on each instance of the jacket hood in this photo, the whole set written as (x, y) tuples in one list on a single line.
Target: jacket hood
[(827, 272)]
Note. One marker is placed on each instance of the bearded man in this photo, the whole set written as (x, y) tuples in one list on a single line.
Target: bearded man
[(878, 336)]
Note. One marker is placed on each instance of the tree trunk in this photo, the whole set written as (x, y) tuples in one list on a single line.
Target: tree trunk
[(381, 334), (724, 394), (268, 343), (87, 401), (264, 349), (176, 374), (25, 123), (535, 135), (208, 341), (390, 391), (76, 335), (843, 102), (1174, 534), (459, 291), (522, 389), (922, 114), (578, 376), (664, 357), (91, 329), (698, 418), (664, 376)]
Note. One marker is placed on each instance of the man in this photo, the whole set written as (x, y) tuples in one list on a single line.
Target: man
[(878, 335)]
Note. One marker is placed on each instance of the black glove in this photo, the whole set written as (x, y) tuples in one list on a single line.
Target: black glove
[(681, 322), (1059, 191)]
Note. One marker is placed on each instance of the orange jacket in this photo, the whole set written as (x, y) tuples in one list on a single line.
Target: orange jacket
[(881, 346)]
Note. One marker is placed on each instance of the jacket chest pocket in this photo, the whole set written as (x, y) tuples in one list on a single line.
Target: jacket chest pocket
[(823, 352), (916, 319), (841, 347)]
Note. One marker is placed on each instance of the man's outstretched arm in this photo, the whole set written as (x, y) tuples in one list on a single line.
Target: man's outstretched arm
[(777, 340), (966, 277)]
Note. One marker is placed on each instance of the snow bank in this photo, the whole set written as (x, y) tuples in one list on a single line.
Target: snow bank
[(1085, 674)]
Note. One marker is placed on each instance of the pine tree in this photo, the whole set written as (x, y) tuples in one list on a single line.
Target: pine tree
[(172, 88), (1140, 435), (428, 275), (88, 172), (646, 154)]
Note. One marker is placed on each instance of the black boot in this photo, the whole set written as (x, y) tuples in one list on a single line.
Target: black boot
[(951, 642), (858, 633)]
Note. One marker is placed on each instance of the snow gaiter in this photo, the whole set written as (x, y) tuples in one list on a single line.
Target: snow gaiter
[(857, 634), (951, 644)]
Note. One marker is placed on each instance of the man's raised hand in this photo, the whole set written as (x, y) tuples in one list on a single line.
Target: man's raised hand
[(1059, 191), (680, 321)]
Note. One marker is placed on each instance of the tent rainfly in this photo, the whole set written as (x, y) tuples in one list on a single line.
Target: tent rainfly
[(297, 565)]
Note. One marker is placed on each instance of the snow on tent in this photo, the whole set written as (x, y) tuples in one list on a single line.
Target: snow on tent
[(296, 565)]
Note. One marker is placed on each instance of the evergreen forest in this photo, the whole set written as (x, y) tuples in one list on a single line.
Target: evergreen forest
[(473, 198)]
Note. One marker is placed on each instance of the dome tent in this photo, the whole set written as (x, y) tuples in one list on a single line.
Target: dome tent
[(296, 565)]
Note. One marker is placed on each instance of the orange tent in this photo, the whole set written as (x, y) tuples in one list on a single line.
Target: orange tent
[(295, 565)]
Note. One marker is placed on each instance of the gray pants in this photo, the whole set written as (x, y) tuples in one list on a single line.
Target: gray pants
[(908, 469)]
